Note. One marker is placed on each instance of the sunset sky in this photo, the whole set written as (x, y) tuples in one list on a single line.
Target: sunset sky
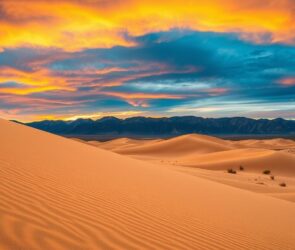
[(69, 59)]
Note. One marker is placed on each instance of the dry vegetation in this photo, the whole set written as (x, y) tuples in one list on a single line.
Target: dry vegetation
[(231, 171), (266, 171)]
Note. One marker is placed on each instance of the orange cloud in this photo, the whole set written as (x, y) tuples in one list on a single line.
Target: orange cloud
[(42, 79), (75, 25), (138, 103), (288, 81), (216, 91), (31, 82), (154, 69), (56, 24)]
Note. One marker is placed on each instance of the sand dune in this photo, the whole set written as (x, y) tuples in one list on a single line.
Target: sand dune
[(60, 194), (211, 153), (120, 144), (201, 153), (254, 160), (178, 146), (275, 144)]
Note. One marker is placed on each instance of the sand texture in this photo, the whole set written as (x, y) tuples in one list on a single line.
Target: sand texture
[(57, 193)]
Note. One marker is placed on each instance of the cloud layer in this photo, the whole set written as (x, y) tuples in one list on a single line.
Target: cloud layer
[(68, 59)]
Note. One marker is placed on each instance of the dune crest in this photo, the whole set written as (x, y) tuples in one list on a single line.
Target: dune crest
[(60, 194), (178, 146)]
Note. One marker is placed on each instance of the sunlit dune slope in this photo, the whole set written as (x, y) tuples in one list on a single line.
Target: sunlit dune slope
[(199, 159), (178, 146), (211, 153), (254, 160), (56, 193), (120, 144), (278, 143)]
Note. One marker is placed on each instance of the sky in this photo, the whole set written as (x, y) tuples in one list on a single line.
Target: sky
[(62, 59)]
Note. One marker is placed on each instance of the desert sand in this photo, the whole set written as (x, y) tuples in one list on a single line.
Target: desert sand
[(58, 193), (198, 155)]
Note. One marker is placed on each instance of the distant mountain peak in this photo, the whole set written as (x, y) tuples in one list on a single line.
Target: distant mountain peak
[(168, 126)]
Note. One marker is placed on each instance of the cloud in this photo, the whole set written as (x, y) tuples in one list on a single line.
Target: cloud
[(77, 25), (250, 108), (287, 81), (164, 71), (31, 82)]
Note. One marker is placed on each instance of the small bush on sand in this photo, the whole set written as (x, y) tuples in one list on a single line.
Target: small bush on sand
[(260, 183), (266, 172), (242, 168), (272, 177), (283, 184), (231, 171)]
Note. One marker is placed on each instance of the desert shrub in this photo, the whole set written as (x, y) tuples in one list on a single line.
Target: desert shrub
[(266, 172), (242, 168), (283, 184), (272, 177), (231, 171), (260, 183)]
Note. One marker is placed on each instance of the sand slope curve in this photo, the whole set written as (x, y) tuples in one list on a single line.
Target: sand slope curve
[(56, 193), (179, 146)]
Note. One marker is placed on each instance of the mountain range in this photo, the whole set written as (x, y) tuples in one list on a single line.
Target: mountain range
[(167, 127)]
